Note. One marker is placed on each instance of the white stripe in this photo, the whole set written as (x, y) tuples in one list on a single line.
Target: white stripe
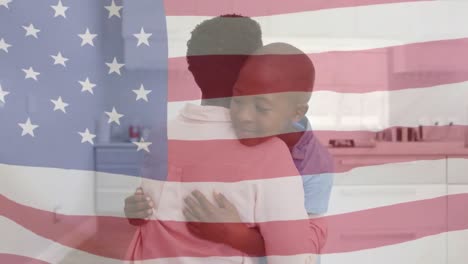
[(372, 111), (410, 181), (411, 252), (70, 192), (44, 249), (428, 250), (391, 171), (18, 240), (352, 198), (457, 253), (353, 28), (382, 109)]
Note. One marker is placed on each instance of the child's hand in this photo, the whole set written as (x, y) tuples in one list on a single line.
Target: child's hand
[(138, 207)]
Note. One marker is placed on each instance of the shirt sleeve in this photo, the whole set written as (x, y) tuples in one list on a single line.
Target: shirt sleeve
[(280, 213), (317, 191)]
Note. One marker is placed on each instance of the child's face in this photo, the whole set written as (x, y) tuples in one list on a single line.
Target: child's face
[(256, 115)]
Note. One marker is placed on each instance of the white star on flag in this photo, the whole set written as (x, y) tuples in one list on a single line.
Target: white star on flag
[(28, 128), (3, 45), (31, 74), (59, 104), (5, 3), (87, 38), (114, 10), (86, 136), (114, 116), (142, 93), (3, 94), (59, 59), (114, 66), (60, 9), (31, 30), (87, 86), (142, 145), (143, 37)]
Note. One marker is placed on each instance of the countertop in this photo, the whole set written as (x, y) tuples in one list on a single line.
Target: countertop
[(406, 149)]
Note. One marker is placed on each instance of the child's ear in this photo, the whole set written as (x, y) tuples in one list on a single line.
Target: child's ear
[(301, 111)]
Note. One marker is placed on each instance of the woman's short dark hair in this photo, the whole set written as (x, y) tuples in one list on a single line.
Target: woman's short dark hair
[(218, 48)]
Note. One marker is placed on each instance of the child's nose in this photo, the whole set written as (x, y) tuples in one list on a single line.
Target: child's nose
[(245, 114)]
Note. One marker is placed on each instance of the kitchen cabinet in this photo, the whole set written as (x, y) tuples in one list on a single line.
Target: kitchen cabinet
[(389, 169), (377, 226), (387, 177), (352, 198), (117, 175), (457, 238), (457, 209), (430, 250), (457, 170), (401, 163)]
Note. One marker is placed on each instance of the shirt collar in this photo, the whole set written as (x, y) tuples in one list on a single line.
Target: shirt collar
[(300, 149), (206, 113)]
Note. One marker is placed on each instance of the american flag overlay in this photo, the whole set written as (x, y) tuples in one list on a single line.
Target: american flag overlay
[(383, 173)]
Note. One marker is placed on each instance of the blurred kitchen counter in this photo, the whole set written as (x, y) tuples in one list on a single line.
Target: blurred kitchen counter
[(405, 149)]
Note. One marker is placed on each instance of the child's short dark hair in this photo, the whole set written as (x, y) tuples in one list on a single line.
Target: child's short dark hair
[(217, 50)]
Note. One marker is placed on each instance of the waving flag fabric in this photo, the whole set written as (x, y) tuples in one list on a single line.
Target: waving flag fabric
[(379, 65)]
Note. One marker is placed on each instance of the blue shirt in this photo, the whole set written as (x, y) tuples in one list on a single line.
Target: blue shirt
[(315, 164)]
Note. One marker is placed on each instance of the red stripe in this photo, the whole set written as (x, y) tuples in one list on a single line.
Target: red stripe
[(232, 162), (390, 225), (15, 259), (218, 163), (360, 71), (262, 7), (346, 232), (181, 156)]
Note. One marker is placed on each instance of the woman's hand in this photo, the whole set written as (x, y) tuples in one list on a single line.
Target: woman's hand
[(221, 223), (199, 209), (214, 222)]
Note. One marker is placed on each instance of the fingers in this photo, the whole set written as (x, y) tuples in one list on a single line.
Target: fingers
[(189, 216), (219, 200), (222, 201), (138, 205), (193, 208), (138, 198), (139, 190), (202, 200)]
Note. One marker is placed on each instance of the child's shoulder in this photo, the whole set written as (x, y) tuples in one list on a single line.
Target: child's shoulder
[(318, 157)]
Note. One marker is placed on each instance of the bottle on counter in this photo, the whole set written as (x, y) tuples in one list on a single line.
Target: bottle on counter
[(134, 132), (145, 133)]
